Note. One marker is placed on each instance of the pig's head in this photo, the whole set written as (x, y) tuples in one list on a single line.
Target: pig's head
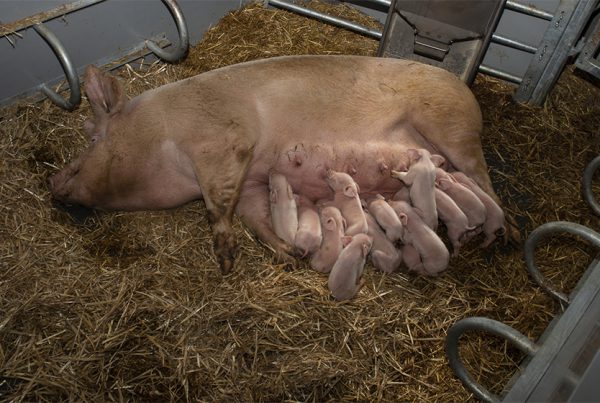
[(88, 180), (341, 182), (415, 155)]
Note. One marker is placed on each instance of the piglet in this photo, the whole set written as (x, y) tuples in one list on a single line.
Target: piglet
[(284, 214), (464, 198), (421, 179), (309, 236), (456, 221), (346, 199), (494, 219), (332, 226), (432, 251), (345, 277), (384, 254), (386, 217)]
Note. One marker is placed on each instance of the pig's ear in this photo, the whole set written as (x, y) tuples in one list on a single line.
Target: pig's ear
[(290, 192), (346, 240), (350, 191), (403, 218), (103, 91), (438, 160), (366, 247), (273, 196), (443, 184), (413, 154)]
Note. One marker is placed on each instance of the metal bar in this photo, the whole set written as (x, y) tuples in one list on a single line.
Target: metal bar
[(361, 29), (67, 66), (541, 232), (490, 71), (181, 49), (586, 185), (529, 10), (511, 43), (384, 3), (24, 23), (494, 327)]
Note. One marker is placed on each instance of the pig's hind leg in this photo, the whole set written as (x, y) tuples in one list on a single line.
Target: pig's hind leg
[(254, 210)]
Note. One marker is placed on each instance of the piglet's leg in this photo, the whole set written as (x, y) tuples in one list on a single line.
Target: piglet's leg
[(254, 211)]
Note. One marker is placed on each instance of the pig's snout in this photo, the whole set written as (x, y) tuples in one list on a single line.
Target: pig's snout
[(59, 183)]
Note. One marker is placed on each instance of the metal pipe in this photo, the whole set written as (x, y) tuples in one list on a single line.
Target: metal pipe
[(586, 184), (24, 23), (361, 29), (490, 71), (181, 49), (541, 232), (511, 43), (494, 327), (528, 9), (67, 65)]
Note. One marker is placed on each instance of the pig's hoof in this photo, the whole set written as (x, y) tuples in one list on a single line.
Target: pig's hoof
[(225, 248), (289, 262), (512, 233)]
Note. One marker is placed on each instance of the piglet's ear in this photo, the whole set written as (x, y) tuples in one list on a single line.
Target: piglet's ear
[(330, 224), (350, 191), (403, 218), (103, 91), (413, 155), (438, 160)]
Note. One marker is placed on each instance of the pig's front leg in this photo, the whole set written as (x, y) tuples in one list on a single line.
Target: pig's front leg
[(254, 210), (220, 166)]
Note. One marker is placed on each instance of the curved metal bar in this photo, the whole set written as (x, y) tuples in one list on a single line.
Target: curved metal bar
[(586, 184), (184, 40), (494, 327), (67, 65), (545, 230)]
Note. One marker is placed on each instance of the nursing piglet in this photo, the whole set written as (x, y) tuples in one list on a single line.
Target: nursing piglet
[(432, 251), (345, 277), (464, 198), (309, 235), (332, 226), (346, 199), (453, 217), (386, 217), (421, 179), (494, 219), (284, 213), (384, 254)]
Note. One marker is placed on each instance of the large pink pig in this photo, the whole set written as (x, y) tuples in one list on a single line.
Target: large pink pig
[(432, 251), (421, 179), (284, 212), (216, 136), (332, 225), (386, 217), (345, 278), (346, 199), (309, 235), (494, 220), (384, 254)]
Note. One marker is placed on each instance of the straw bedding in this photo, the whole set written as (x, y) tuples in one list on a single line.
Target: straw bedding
[(115, 306)]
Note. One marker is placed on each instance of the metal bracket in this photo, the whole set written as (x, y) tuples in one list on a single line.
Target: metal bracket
[(541, 232), (586, 185), (494, 327), (184, 42), (67, 66)]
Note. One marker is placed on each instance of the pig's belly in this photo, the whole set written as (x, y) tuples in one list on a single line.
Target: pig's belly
[(304, 164)]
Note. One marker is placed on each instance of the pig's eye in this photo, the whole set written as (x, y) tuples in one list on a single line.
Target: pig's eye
[(93, 139)]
